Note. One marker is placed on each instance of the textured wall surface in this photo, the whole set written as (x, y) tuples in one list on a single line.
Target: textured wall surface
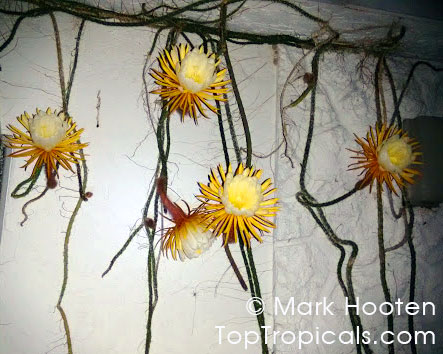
[(108, 315), (304, 260)]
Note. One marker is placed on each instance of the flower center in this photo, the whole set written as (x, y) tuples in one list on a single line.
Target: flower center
[(241, 195), (196, 71), (47, 130), (395, 154)]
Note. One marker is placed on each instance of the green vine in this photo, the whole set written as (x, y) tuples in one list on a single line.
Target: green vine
[(310, 203), (82, 179), (29, 182)]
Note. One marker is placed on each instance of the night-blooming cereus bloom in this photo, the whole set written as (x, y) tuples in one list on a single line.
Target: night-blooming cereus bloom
[(189, 79), (189, 237), (386, 157), (49, 138), (236, 204)]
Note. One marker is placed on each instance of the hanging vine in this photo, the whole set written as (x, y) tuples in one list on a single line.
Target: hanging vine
[(209, 20)]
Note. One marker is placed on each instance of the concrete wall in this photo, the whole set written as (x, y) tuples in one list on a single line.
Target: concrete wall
[(108, 315)]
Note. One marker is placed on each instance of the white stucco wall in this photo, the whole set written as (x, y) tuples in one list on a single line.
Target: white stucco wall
[(304, 260), (108, 315)]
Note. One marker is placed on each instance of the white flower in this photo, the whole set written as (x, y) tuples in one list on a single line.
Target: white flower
[(395, 154), (242, 194), (47, 129), (196, 71), (195, 241)]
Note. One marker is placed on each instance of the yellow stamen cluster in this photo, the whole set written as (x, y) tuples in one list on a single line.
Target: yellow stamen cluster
[(50, 138), (385, 157), (236, 204), (188, 80)]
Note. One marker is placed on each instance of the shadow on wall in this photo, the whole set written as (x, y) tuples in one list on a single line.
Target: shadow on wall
[(425, 8), (427, 191)]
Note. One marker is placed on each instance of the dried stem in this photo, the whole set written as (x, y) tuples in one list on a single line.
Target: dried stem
[(235, 268)]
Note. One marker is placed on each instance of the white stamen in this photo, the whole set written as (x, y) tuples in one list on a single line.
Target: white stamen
[(196, 71), (196, 242), (242, 195), (395, 154), (47, 130)]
